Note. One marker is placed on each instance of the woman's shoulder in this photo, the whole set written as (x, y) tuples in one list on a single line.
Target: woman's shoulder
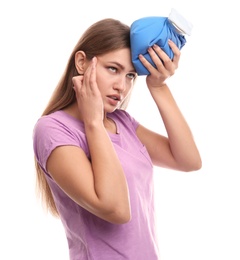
[(58, 125), (124, 117), (57, 118), (57, 129), (121, 115)]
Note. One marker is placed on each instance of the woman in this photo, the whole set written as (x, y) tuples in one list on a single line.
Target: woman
[(94, 161)]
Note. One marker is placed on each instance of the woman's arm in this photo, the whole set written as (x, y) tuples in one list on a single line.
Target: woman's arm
[(178, 151), (100, 185)]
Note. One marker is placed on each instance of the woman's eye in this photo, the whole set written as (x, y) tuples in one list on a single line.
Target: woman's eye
[(113, 69), (131, 75)]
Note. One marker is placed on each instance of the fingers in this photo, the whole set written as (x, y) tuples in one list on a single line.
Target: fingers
[(163, 63), (176, 53), (86, 80), (91, 74), (77, 81)]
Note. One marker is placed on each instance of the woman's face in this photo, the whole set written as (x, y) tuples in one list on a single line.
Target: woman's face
[(115, 77)]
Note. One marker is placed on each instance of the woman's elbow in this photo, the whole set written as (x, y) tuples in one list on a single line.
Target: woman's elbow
[(194, 165), (120, 216), (114, 210)]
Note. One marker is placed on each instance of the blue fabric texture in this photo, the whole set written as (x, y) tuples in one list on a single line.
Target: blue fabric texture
[(147, 31)]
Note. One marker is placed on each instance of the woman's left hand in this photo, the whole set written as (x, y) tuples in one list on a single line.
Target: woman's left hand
[(165, 67)]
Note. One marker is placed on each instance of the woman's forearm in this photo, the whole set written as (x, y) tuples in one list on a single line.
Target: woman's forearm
[(109, 179), (181, 141)]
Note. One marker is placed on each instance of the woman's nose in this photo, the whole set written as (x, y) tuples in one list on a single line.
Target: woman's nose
[(120, 84)]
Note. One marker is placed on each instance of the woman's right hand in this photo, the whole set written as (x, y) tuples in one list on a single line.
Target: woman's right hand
[(88, 96)]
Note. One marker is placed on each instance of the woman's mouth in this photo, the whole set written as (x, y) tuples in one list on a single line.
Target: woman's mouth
[(114, 99)]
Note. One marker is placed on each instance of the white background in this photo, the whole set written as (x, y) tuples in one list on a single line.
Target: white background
[(198, 212)]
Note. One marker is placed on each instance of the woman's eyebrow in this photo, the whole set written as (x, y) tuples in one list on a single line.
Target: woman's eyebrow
[(121, 66)]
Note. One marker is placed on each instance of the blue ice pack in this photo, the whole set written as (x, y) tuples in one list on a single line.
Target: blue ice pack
[(147, 31)]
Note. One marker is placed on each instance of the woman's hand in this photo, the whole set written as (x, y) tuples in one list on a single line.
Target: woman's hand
[(165, 67), (88, 96)]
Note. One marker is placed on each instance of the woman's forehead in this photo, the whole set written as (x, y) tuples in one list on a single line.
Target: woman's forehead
[(122, 57)]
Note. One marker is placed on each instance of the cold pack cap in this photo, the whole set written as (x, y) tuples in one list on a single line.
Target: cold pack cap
[(147, 31)]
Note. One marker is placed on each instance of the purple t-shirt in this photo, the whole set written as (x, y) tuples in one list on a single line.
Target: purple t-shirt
[(90, 237)]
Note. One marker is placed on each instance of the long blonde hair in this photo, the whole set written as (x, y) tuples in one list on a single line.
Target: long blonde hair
[(100, 38)]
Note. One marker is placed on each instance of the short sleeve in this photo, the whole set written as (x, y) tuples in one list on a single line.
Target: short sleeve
[(48, 134)]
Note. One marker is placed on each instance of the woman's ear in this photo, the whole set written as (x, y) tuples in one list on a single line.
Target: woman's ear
[(80, 61)]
